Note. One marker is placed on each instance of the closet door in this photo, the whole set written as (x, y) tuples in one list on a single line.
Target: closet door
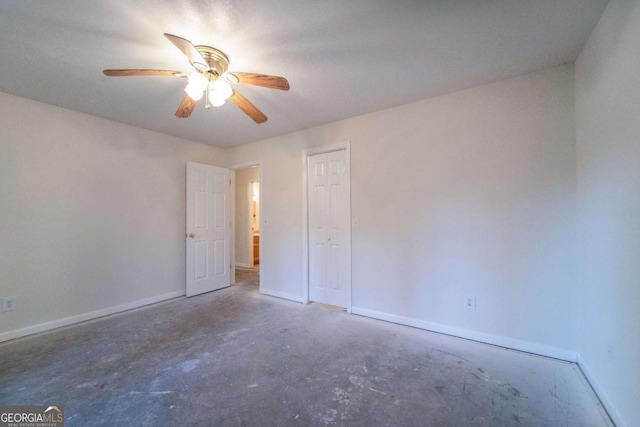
[(329, 228)]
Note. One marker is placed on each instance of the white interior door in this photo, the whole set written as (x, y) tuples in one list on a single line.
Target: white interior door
[(329, 228), (208, 228)]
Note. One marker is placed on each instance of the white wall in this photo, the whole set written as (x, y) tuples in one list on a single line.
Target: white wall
[(92, 214), (244, 251), (467, 193), (608, 159)]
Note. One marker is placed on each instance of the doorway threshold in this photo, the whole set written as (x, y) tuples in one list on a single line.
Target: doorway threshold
[(327, 306)]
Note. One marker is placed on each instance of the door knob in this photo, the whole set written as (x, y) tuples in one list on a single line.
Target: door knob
[(192, 235)]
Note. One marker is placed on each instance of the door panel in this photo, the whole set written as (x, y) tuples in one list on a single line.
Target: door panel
[(208, 228), (334, 268), (201, 209), (316, 280), (219, 258), (201, 259)]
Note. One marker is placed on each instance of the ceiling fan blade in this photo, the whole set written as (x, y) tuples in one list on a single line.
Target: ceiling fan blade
[(142, 72), (186, 107), (263, 80), (248, 108), (188, 49)]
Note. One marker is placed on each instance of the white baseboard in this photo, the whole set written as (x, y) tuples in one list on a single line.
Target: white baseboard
[(512, 343), (243, 265), (602, 395), (283, 295), (47, 326)]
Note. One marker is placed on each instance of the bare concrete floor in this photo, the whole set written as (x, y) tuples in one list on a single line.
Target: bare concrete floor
[(235, 357)]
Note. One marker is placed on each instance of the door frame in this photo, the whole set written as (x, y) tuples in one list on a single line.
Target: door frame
[(234, 168), (346, 145)]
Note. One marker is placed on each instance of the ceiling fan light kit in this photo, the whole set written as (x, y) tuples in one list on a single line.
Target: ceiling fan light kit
[(210, 79)]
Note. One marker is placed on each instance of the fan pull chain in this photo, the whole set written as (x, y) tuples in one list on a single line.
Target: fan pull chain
[(206, 96)]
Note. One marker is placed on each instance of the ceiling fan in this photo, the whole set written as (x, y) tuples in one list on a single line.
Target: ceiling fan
[(210, 79)]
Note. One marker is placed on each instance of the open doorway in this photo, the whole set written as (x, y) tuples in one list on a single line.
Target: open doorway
[(247, 253), (254, 212)]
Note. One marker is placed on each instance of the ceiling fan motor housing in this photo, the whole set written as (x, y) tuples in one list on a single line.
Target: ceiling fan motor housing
[(217, 62)]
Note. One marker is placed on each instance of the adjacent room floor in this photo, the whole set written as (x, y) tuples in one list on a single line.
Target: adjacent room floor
[(235, 357)]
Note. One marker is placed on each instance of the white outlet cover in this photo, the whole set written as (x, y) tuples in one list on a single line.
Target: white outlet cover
[(470, 303), (8, 304)]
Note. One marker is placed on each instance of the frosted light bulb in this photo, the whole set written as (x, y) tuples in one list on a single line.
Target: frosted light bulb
[(198, 81), (215, 99), (197, 85), (194, 93), (221, 89)]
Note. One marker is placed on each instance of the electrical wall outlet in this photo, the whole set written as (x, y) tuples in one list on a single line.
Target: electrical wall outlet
[(8, 304), (470, 303)]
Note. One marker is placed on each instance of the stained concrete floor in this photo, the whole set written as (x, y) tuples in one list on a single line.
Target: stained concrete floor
[(235, 357)]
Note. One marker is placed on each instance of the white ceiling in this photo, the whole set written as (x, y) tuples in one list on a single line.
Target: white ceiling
[(342, 58)]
